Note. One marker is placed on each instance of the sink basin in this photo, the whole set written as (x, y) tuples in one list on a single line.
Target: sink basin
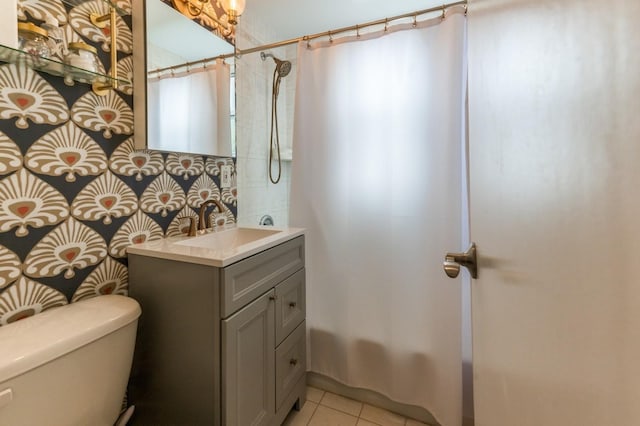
[(228, 239), (217, 248)]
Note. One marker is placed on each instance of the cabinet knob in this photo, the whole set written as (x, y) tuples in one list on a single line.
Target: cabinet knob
[(292, 304), (293, 361), (273, 297)]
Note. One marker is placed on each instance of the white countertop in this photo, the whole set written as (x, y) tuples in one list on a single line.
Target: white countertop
[(168, 248)]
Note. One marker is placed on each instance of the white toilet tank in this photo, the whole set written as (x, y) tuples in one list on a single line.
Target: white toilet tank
[(69, 365)]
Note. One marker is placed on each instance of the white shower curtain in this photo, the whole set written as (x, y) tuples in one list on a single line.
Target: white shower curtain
[(376, 181), (190, 111)]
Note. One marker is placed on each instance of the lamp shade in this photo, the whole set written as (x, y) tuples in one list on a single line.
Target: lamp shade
[(234, 6)]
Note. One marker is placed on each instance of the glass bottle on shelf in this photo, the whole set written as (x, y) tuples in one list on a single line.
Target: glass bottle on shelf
[(56, 38), (33, 40), (83, 56)]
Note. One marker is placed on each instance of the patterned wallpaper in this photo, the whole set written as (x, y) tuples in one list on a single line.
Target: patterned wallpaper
[(212, 11), (74, 193)]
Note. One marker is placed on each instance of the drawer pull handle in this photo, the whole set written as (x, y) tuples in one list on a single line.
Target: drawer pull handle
[(292, 304), (293, 362)]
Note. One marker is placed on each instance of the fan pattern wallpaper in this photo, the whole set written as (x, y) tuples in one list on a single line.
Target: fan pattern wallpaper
[(74, 193)]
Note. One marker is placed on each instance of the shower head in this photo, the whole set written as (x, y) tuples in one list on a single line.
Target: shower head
[(282, 67)]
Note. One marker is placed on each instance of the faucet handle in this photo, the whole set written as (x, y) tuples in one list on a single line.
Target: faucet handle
[(193, 226)]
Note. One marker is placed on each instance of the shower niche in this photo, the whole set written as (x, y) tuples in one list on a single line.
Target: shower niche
[(187, 101)]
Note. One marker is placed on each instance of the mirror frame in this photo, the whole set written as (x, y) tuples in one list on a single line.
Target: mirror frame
[(139, 29)]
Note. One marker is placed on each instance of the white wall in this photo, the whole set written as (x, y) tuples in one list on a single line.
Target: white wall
[(257, 196)]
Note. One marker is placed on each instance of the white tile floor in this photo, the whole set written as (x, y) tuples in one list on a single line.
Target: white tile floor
[(328, 409)]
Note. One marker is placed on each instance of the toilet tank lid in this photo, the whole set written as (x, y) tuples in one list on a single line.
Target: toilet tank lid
[(33, 341)]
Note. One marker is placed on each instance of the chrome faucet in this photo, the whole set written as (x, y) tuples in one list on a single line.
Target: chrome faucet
[(203, 208)]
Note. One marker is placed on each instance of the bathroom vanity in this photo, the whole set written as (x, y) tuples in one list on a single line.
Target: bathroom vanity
[(222, 338)]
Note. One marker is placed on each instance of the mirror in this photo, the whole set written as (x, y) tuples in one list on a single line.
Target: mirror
[(184, 107)]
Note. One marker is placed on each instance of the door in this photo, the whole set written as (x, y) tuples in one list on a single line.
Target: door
[(554, 93), (248, 364)]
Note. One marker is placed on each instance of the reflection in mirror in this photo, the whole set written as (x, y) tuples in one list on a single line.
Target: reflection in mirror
[(189, 107)]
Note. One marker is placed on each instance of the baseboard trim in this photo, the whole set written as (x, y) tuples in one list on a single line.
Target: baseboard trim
[(372, 398)]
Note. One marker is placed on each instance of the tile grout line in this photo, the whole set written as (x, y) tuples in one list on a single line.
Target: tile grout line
[(341, 411), (314, 412), (358, 416)]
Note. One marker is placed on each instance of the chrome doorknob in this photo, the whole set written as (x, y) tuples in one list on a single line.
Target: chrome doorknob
[(453, 261)]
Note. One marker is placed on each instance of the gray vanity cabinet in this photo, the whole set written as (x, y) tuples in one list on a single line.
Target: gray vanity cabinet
[(220, 346)]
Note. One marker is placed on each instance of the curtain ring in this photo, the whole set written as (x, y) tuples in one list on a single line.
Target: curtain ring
[(465, 10), (308, 43), (415, 21), (444, 13), (386, 24), (357, 31), (330, 37)]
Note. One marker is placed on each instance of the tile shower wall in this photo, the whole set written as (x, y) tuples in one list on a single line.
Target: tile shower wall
[(73, 191), (258, 196)]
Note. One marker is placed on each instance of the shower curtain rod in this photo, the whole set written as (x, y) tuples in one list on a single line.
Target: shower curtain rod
[(358, 27), (330, 33), (187, 65)]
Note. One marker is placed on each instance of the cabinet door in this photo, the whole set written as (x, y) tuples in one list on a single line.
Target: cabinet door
[(248, 377)]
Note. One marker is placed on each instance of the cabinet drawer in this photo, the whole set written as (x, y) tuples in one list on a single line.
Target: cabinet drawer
[(290, 305), (291, 363), (244, 281)]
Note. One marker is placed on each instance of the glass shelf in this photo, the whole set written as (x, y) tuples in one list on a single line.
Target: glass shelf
[(54, 67), (112, 3)]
